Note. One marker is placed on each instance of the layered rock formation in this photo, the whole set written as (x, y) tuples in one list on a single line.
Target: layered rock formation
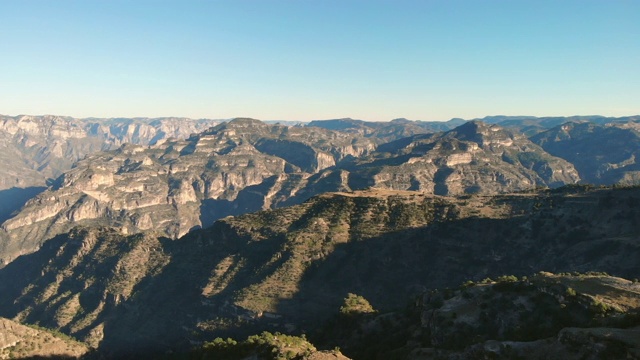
[(246, 165), (36, 148), (472, 158), (174, 187)]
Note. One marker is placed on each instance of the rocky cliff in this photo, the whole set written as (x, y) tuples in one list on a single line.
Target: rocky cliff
[(178, 185), (472, 158)]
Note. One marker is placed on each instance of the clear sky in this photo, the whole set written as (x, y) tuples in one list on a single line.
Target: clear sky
[(321, 59)]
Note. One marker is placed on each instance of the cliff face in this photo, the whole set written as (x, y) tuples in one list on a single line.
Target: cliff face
[(176, 186), (246, 165), (473, 158)]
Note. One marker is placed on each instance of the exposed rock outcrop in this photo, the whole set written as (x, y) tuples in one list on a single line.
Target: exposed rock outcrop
[(246, 165), (237, 167), (472, 158)]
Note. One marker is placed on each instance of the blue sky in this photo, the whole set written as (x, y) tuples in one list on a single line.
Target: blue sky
[(303, 60)]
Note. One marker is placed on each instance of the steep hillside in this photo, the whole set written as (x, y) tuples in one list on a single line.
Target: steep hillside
[(19, 341), (601, 154), (246, 165), (289, 269), (174, 187)]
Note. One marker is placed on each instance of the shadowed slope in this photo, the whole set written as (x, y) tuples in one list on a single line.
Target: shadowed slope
[(295, 265)]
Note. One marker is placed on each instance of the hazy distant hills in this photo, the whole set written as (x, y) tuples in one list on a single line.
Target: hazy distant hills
[(385, 131), (531, 125), (246, 165), (40, 147), (601, 154)]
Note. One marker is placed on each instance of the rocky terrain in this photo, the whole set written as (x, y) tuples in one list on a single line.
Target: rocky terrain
[(237, 167), (179, 185), (289, 269), (472, 158), (543, 316), (246, 165), (34, 150), (19, 341), (341, 231)]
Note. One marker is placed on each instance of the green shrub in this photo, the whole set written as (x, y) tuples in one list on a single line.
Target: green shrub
[(356, 304)]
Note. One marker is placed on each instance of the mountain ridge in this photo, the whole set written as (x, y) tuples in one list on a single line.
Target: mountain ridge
[(246, 165), (294, 265)]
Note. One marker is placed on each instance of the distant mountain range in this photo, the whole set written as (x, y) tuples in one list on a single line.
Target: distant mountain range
[(36, 148), (147, 236), (246, 165)]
